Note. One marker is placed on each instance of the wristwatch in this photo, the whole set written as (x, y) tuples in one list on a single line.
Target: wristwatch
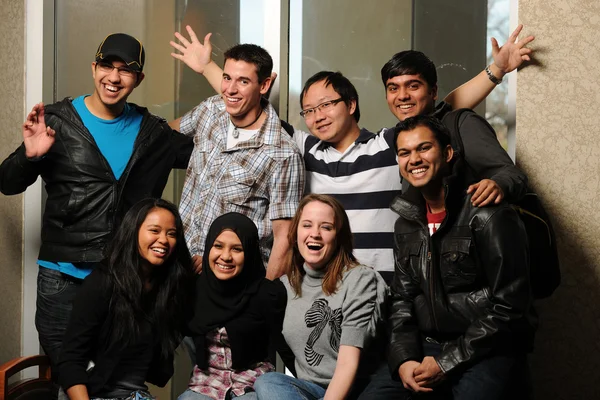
[(492, 77)]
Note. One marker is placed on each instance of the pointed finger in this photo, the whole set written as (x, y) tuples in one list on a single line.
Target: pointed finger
[(525, 41), (525, 58), (31, 118), (525, 51), (182, 39), (495, 46), (207, 38), (513, 36), (192, 34), (177, 46)]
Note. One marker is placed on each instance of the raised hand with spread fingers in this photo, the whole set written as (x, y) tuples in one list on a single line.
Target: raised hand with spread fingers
[(37, 137), (193, 53)]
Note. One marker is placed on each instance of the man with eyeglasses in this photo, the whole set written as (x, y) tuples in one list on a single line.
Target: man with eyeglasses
[(97, 155)]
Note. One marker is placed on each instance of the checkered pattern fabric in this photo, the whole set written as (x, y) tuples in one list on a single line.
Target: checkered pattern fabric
[(219, 378), (262, 178)]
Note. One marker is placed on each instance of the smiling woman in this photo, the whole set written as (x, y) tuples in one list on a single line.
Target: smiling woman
[(237, 312), (129, 315), (333, 311)]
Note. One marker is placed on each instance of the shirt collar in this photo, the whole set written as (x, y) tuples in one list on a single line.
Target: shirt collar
[(363, 137), (269, 133)]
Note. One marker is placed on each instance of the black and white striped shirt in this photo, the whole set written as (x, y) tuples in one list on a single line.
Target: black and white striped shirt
[(364, 178)]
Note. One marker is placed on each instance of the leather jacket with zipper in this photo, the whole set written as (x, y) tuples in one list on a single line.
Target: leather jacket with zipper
[(466, 286), (85, 201)]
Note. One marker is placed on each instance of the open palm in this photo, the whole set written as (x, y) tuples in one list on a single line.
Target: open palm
[(194, 54), (37, 137), (512, 54)]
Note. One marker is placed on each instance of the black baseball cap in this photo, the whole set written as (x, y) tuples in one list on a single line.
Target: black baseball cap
[(125, 47)]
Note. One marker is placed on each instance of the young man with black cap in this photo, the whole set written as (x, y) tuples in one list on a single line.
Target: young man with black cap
[(98, 155)]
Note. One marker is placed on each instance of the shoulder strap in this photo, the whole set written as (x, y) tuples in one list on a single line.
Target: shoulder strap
[(452, 121)]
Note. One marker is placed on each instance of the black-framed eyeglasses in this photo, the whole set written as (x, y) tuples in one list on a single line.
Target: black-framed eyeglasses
[(108, 68), (324, 106)]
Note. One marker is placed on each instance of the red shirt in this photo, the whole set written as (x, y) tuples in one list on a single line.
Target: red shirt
[(434, 220)]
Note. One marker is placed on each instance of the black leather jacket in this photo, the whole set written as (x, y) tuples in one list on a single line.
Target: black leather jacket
[(467, 286), (85, 202)]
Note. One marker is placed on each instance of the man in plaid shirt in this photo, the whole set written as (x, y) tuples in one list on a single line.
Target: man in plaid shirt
[(243, 160)]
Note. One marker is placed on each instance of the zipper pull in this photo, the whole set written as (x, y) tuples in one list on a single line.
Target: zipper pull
[(429, 256)]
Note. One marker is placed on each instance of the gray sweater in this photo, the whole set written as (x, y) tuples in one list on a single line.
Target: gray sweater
[(315, 325)]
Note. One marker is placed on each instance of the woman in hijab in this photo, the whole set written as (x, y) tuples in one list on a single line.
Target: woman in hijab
[(236, 312)]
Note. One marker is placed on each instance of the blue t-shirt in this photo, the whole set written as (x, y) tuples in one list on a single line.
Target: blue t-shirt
[(115, 139)]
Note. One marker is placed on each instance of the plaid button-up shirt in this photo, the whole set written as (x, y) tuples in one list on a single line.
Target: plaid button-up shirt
[(220, 378), (262, 178)]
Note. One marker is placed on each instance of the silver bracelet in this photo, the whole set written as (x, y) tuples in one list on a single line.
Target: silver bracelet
[(492, 77)]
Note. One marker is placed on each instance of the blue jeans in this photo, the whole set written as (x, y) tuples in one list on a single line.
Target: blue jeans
[(497, 377), (191, 395), (275, 385), (55, 295)]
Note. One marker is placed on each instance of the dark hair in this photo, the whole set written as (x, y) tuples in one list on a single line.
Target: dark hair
[(340, 84), (341, 260), (410, 62), (252, 54), (442, 134), (173, 282)]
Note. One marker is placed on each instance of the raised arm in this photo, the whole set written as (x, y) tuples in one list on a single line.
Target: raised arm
[(507, 58)]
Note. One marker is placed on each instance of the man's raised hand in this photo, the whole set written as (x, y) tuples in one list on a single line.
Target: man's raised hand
[(511, 55), (37, 137), (194, 54)]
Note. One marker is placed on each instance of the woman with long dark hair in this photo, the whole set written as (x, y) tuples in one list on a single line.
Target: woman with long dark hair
[(334, 308), (237, 312), (128, 317)]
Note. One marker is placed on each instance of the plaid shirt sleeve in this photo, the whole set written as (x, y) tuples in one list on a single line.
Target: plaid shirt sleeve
[(287, 187), (189, 122)]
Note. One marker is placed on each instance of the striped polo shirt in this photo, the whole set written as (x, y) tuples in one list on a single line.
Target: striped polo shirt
[(364, 178)]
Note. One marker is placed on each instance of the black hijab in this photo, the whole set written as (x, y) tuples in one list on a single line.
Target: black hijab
[(219, 301)]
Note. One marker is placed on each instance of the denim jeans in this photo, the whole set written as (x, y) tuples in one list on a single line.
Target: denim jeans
[(55, 295), (275, 385), (191, 395), (497, 377)]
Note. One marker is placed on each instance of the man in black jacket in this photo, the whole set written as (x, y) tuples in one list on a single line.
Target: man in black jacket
[(461, 317), (98, 155)]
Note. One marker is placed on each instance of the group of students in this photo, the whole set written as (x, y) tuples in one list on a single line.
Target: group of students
[(326, 316), (134, 309)]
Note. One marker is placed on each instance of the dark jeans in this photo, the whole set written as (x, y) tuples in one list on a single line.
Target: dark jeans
[(497, 377), (55, 295)]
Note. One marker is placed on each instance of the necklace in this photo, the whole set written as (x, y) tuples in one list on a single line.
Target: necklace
[(236, 133)]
